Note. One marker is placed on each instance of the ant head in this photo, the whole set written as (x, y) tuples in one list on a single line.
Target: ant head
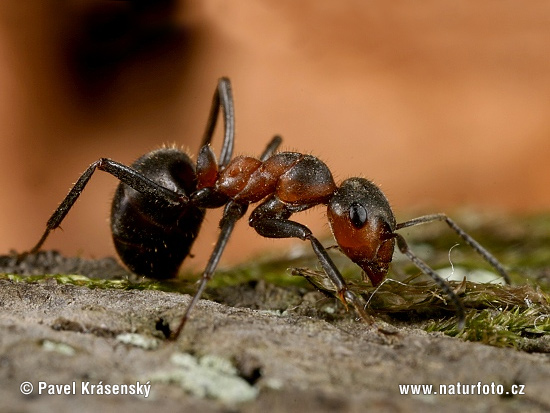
[(363, 223)]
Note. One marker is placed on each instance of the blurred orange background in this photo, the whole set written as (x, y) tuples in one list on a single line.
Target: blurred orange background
[(445, 105)]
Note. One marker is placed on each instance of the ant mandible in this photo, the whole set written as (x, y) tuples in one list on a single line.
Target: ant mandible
[(160, 203)]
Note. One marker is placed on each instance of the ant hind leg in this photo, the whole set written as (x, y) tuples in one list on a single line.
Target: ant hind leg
[(222, 97), (125, 174)]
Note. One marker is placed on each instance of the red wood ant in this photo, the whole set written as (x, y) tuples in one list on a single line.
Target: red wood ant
[(160, 203)]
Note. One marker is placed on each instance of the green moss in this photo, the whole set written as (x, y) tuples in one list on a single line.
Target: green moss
[(496, 314), (504, 327), (499, 315), (83, 281)]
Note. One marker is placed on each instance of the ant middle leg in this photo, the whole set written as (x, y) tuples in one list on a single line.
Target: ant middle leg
[(125, 174), (476, 246), (271, 148), (232, 213)]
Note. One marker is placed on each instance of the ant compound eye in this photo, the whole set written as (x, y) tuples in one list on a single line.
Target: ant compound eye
[(358, 215)]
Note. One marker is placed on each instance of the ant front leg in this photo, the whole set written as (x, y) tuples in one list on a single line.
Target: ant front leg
[(270, 220), (125, 174), (476, 246)]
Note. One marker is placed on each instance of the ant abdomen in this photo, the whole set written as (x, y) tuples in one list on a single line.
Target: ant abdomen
[(151, 235)]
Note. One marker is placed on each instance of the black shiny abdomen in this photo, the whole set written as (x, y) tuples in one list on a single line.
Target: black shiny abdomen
[(151, 236)]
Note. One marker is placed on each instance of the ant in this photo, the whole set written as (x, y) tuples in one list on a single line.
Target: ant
[(160, 202)]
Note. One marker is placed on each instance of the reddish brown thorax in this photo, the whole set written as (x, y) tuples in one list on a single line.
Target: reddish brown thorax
[(293, 177)]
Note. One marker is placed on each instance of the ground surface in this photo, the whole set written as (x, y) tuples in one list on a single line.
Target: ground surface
[(261, 347)]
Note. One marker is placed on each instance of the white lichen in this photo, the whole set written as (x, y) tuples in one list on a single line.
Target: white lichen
[(138, 340), (61, 348), (210, 377)]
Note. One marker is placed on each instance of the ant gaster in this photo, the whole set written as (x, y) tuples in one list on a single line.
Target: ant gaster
[(160, 203)]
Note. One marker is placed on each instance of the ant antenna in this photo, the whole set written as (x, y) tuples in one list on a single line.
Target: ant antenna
[(441, 283)]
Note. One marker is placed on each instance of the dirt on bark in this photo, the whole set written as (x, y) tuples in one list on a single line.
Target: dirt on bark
[(91, 343)]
